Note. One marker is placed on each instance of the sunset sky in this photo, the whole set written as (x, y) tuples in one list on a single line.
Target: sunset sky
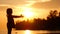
[(38, 8)]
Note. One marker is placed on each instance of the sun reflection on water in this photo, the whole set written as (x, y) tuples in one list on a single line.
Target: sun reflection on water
[(33, 32), (27, 32)]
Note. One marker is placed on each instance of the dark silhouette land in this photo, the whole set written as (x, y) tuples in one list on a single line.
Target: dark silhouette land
[(52, 23)]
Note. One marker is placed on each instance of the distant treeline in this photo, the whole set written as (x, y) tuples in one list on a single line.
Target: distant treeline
[(52, 23)]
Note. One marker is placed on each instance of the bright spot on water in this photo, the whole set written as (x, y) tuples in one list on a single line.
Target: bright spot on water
[(27, 32)]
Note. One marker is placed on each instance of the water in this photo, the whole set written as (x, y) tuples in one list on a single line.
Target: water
[(30, 32), (34, 32)]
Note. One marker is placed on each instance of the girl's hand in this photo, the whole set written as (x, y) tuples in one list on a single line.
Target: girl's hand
[(21, 15)]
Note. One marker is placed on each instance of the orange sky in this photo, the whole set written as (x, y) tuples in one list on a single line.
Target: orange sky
[(41, 8)]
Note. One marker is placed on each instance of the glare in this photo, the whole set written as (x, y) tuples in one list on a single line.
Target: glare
[(27, 12), (27, 32)]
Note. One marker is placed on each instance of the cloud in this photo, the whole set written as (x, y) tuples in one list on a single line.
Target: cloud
[(4, 5), (34, 3), (20, 2), (39, 0), (47, 5)]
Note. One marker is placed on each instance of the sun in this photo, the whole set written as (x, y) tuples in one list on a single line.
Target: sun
[(27, 12)]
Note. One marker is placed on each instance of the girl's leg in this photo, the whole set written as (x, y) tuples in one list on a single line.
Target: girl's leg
[(9, 30)]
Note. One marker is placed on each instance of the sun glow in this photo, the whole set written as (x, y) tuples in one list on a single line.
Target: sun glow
[(27, 12)]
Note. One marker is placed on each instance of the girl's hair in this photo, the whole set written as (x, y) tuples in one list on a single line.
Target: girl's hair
[(9, 11)]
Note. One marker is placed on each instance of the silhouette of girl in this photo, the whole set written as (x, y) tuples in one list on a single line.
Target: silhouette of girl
[(10, 20)]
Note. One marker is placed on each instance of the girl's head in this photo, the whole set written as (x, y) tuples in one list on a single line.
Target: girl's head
[(9, 11)]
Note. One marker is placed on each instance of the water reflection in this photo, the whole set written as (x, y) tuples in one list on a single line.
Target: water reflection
[(27, 32), (35, 32)]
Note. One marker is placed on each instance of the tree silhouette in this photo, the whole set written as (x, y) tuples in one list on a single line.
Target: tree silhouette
[(53, 21)]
